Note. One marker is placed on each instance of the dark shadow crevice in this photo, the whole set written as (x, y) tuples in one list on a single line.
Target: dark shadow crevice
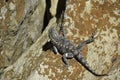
[(60, 8)]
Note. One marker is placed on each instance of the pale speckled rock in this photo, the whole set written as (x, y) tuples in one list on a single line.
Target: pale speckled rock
[(53, 7), (30, 59), (22, 32), (21, 28)]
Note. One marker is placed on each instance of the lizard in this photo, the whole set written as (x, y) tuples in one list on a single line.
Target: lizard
[(69, 50)]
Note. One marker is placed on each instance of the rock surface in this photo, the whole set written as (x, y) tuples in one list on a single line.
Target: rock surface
[(22, 40)]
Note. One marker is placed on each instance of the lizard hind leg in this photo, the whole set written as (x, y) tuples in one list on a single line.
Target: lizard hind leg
[(65, 57), (88, 41)]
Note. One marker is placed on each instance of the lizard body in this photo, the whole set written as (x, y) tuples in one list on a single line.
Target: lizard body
[(69, 50)]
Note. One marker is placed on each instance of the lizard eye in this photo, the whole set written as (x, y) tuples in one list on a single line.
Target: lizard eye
[(71, 47)]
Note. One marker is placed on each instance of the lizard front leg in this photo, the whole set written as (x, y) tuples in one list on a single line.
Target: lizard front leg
[(55, 50), (62, 31)]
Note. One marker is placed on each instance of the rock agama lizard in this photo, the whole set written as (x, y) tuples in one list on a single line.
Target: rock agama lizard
[(69, 50)]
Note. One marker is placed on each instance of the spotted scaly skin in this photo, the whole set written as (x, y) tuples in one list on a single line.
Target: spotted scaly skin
[(68, 49)]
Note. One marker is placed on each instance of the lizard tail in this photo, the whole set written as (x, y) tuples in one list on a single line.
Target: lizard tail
[(82, 61)]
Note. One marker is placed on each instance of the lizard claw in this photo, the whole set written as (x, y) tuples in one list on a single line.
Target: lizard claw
[(64, 66), (93, 37)]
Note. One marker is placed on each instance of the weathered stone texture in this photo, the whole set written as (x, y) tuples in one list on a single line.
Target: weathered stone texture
[(21, 40)]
